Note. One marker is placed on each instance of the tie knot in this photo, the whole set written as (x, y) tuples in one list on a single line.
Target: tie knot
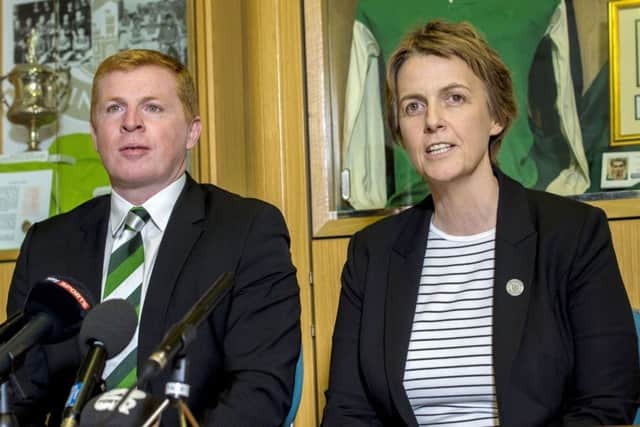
[(136, 218)]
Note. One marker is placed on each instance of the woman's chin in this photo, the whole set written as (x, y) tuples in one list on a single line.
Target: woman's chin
[(441, 176)]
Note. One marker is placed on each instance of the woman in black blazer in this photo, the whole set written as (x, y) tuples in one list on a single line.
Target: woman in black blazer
[(487, 303)]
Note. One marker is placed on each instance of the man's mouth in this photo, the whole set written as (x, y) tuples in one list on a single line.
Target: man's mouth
[(133, 148)]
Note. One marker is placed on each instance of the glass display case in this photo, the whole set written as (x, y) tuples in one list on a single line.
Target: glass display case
[(558, 52)]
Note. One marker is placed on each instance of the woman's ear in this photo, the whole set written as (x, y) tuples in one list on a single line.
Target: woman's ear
[(495, 128)]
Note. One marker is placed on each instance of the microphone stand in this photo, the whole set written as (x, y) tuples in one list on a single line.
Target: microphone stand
[(177, 391), (7, 417)]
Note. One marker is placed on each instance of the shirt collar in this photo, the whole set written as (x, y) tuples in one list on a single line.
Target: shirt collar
[(159, 206)]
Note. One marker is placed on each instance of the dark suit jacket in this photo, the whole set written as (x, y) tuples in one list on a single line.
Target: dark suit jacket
[(242, 361), (564, 350)]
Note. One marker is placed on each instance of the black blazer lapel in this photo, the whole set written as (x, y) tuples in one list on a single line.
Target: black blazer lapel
[(516, 247), (183, 229), (86, 253), (405, 267)]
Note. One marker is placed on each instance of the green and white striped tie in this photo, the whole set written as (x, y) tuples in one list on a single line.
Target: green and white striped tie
[(124, 280)]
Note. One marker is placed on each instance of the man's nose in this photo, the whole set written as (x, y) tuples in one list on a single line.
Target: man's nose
[(132, 121)]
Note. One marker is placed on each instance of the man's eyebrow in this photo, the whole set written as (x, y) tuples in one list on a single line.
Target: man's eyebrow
[(121, 100), (149, 98), (117, 99)]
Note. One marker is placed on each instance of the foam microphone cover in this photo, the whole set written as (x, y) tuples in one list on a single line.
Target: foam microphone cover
[(113, 323), (134, 411), (65, 300)]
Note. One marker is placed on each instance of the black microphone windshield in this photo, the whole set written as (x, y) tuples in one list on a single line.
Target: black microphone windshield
[(53, 312), (113, 323), (66, 300)]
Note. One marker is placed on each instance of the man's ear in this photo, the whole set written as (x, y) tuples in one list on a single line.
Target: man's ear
[(194, 132), (94, 138)]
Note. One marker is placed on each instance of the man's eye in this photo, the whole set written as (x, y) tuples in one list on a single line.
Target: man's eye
[(153, 108), (113, 108)]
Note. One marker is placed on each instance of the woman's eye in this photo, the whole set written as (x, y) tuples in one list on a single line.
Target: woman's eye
[(413, 108), (456, 98)]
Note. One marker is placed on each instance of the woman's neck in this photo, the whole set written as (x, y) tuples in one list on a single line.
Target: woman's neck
[(466, 208)]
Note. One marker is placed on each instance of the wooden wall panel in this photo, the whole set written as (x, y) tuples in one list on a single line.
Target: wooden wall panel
[(328, 258), (626, 241), (6, 272), (218, 67), (276, 145)]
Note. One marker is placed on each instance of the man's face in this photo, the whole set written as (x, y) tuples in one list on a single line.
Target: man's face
[(617, 169), (140, 131)]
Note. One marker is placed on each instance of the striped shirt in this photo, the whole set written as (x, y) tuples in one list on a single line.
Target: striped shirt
[(449, 369)]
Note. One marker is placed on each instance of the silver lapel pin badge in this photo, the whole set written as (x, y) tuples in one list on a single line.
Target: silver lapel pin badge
[(515, 287)]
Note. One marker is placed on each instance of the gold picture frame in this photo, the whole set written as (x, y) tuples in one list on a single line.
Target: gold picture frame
[(624, 69)]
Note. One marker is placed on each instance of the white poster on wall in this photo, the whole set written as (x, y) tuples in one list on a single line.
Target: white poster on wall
[(24, 200)]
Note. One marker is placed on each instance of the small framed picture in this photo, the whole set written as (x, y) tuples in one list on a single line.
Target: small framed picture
[(620, 170)]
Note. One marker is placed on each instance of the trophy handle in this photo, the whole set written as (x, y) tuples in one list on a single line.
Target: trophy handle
[(63, 82), (3, 98)]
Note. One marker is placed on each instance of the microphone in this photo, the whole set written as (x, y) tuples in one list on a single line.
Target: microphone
[(12, 325), (53, 312), (104, 410), (105, 332), (40, 292), (183, 332)]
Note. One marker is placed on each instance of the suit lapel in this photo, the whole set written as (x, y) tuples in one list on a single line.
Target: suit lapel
[(405, 267), (516, 241), (86, 252), (183, 229)]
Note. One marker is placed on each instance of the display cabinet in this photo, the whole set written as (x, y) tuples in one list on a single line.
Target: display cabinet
[(561, 165)]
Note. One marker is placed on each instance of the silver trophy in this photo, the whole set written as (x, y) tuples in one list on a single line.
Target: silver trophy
[(41, 93)]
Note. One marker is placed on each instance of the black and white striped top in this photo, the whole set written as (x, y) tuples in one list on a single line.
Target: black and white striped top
[(449, 370)]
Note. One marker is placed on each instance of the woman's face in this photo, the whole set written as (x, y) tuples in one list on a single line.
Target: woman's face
[(444, 118)]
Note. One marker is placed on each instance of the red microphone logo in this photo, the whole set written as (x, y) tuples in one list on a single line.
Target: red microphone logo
[(72, 291)]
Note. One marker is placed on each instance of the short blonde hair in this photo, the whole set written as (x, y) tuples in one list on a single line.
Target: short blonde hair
[(129, 60), (445, 39)]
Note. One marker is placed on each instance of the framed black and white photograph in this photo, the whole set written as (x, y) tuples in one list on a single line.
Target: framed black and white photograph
[(157, 25), (77, 35)]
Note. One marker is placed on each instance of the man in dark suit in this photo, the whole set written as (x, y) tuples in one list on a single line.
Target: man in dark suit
[(144, 120)]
